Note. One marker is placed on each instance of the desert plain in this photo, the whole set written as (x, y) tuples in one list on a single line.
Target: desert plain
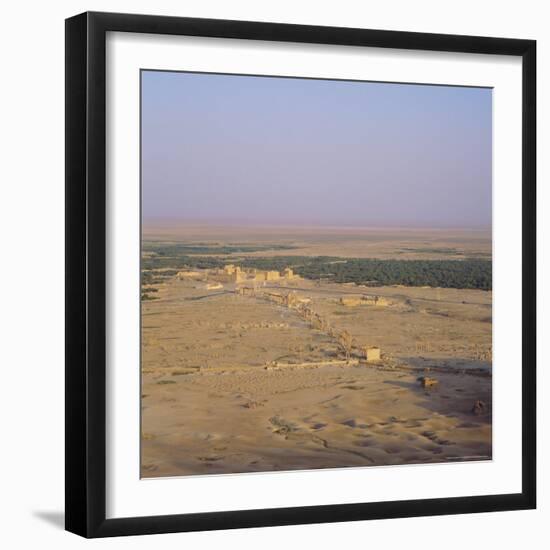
[(248, 372)]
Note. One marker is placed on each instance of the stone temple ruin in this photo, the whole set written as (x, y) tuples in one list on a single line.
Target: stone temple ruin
[(364, 300), (271, 275), (228, 274), (234, 274)]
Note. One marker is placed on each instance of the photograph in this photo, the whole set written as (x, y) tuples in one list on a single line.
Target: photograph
[(316, 273)]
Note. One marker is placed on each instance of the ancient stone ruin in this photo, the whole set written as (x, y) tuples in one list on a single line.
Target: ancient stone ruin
[(372, 354)]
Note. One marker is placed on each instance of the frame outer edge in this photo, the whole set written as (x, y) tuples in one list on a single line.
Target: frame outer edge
[(96, 273), (529, 273), (76, 494)]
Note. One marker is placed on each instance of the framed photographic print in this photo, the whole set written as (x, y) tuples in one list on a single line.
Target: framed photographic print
[(300, 274)]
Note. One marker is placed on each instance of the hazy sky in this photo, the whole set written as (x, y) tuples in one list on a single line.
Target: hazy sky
[(241, 149)]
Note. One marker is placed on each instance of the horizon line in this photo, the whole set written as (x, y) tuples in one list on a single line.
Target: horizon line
[(167, 222)]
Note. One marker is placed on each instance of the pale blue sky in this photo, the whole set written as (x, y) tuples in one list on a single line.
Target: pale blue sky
[(242, 149)]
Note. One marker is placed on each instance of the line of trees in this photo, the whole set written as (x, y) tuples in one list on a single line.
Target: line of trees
[(435, 273), (468, 273)]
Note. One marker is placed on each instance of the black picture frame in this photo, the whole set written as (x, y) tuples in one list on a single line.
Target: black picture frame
[(86, 274)]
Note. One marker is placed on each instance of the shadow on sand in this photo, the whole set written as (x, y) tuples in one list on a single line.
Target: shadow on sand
[(453, 396), (54, 518), (451, 363)]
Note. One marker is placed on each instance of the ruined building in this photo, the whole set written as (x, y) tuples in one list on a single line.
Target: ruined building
[(372, 354), (370, 300), (183, 275), (272, 275), (288, 273), (366, 300), (351, 301)]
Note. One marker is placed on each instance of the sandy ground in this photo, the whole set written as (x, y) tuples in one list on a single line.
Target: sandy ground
[(340, 242), (209, 405), (320, 418)]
